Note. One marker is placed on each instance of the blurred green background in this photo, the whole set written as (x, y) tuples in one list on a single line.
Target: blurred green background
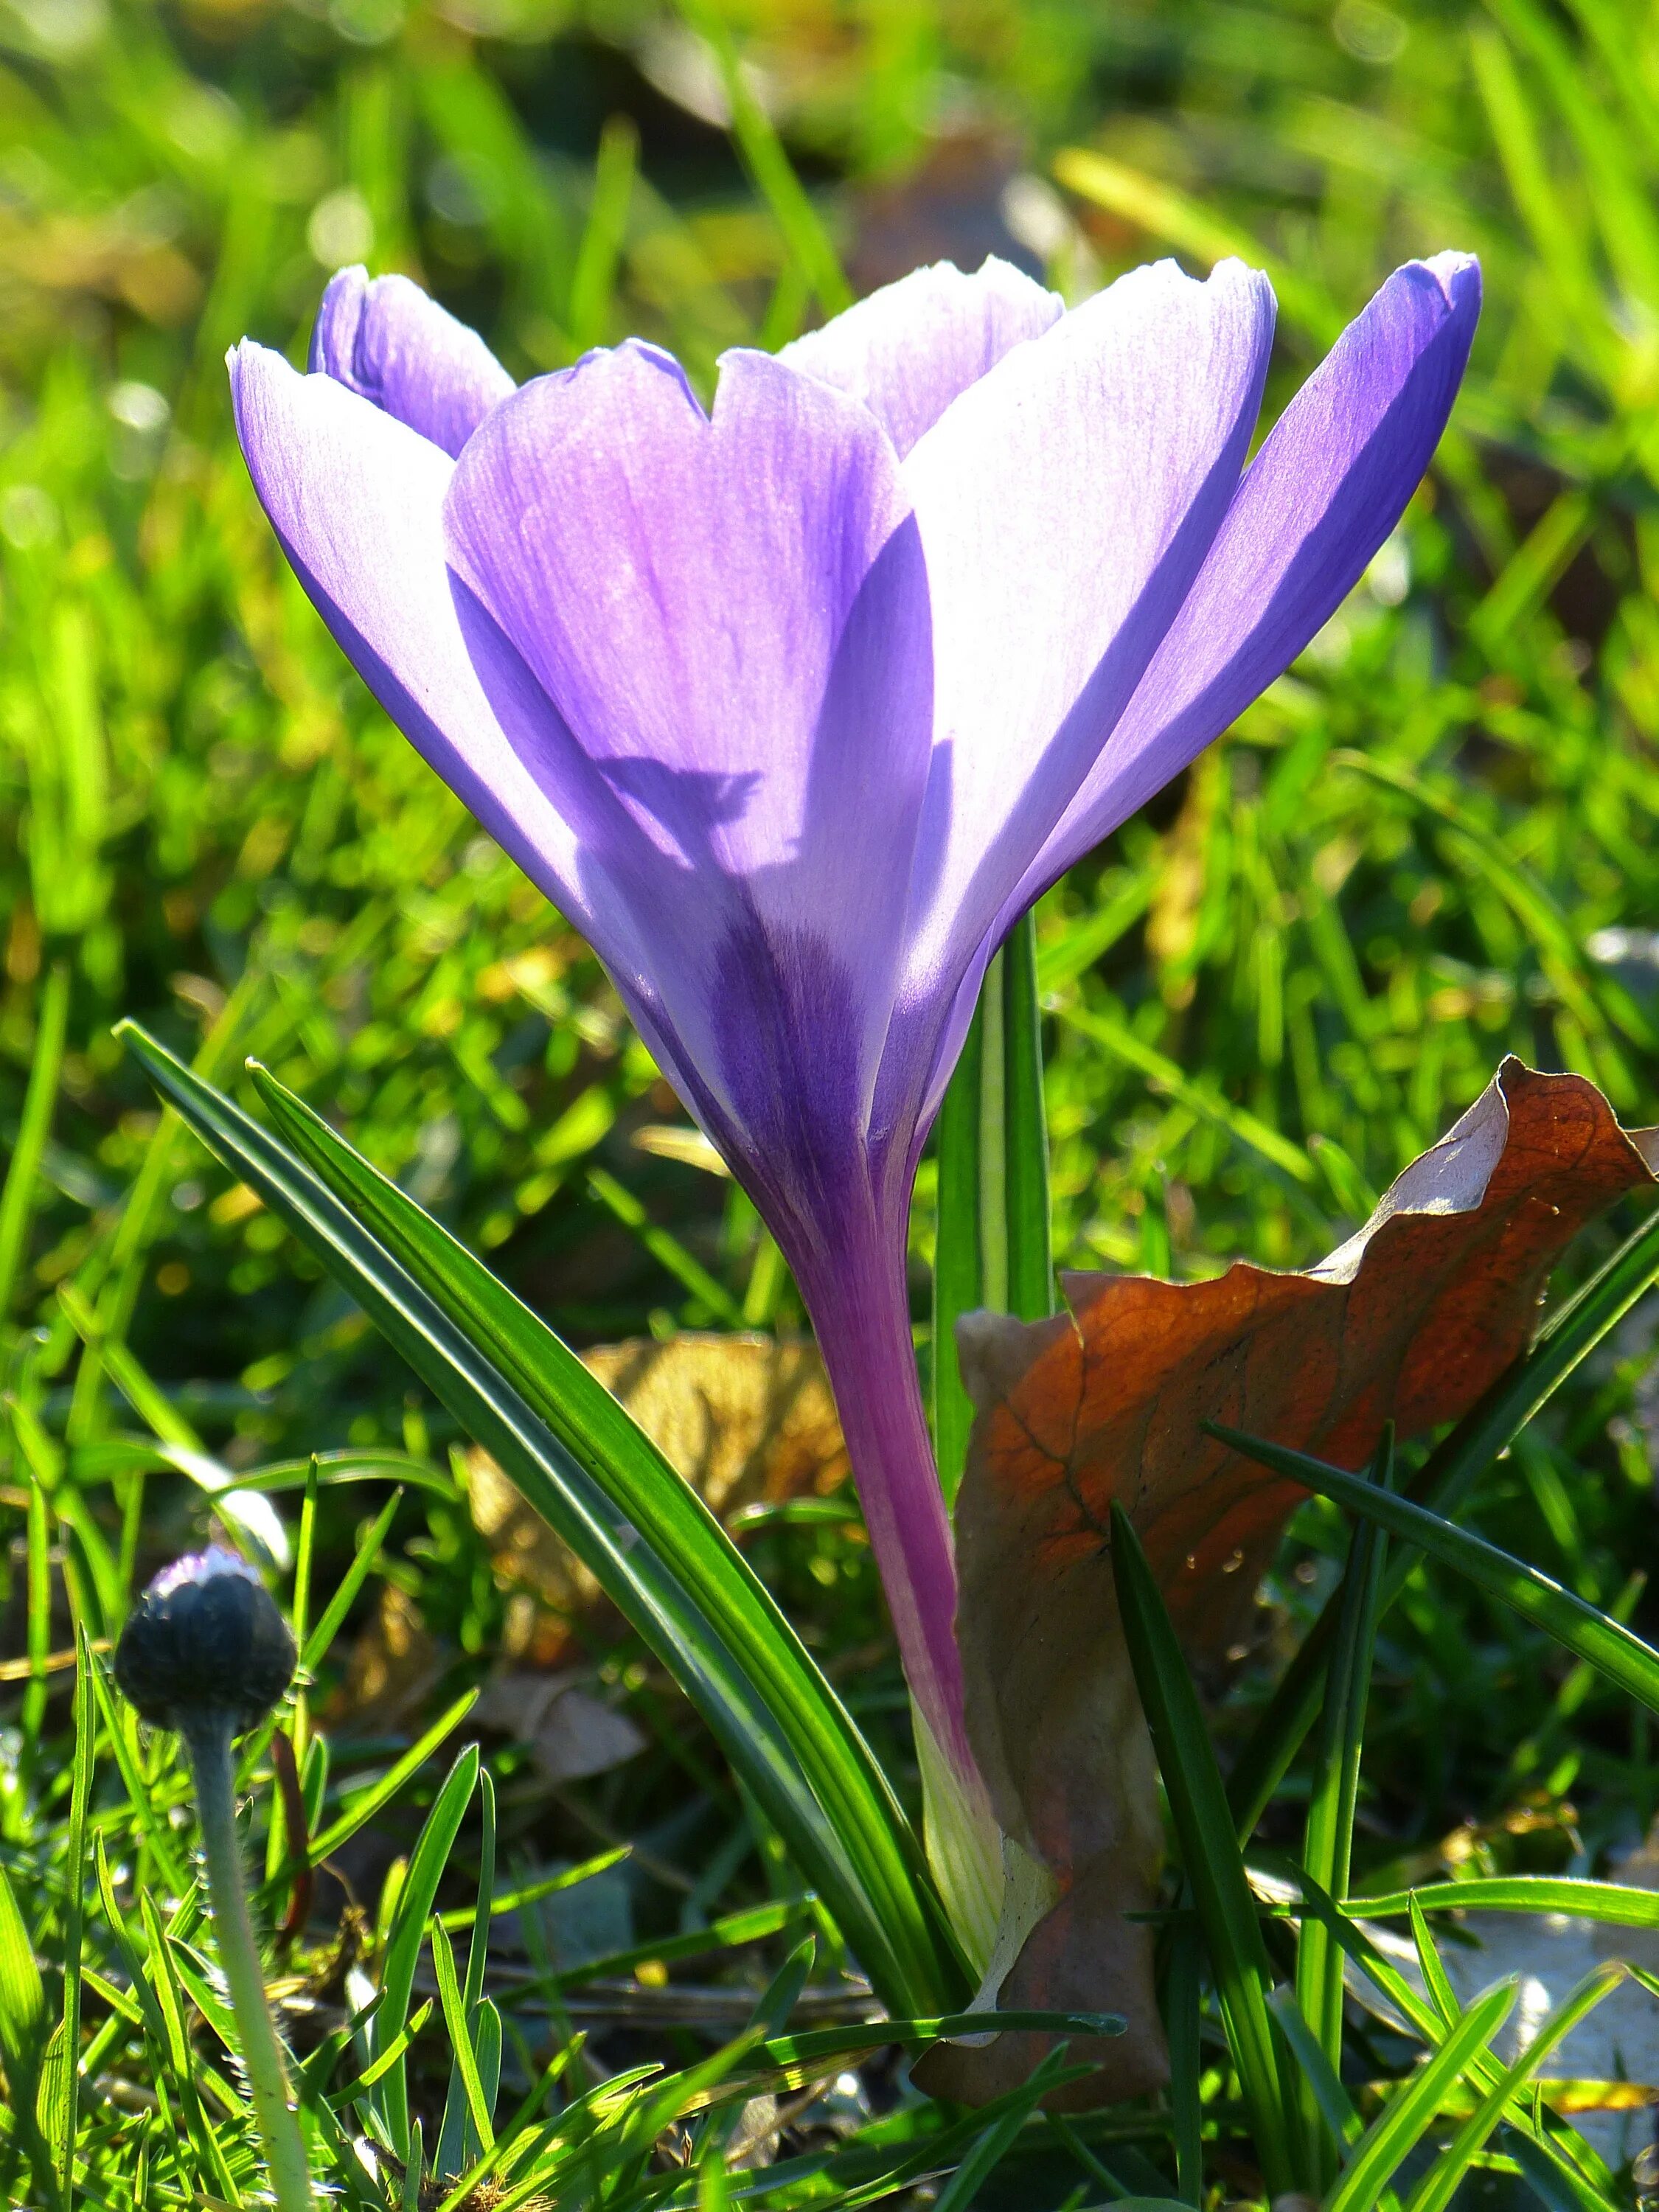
[(1431, 843)]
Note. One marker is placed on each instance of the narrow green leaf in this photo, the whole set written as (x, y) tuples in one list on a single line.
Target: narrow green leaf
[(814, 2046), (982, 2162), (315, 1648), (408, 1929), (1434, 2192), (17, 1197), (63, 2122), (746, 1927), (665, 1249), (119, 1723), (547, 1885), (1607, 1901), (956, 1271), (1199, 1094), (1555, 2152), (1409, 2115), (1604, 1644), (162, 1975), (1209, 1849), (1183, 2006), (381, 2064), (460, 2037), (1436, 1980), (1030, 1268), (1336, 2107), (455, 2149), (763, 153), (992, 1238), (361, 1809), (23, 2002), (1327, 1849), (654, 1548)]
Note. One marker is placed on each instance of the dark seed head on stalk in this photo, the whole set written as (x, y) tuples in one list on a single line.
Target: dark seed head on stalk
[(205, 1644)]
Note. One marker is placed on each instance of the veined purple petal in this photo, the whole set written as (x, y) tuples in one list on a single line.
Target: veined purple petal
[(1328, 485), (910, 348), (729, 617), (1066, 502), (356, 499), (383, 339)]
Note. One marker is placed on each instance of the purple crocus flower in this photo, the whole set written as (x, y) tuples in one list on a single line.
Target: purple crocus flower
[(793, 707)]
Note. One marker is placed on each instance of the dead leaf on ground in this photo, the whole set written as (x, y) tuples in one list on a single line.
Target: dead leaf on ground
[(744, 1419), (1411, 1319), (571, 1730)]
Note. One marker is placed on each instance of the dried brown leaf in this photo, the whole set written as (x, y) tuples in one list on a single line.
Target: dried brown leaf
[(744, 1419), (1410, 1320)]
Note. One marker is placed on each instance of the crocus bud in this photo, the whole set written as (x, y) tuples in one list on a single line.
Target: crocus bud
[(205, 1644)]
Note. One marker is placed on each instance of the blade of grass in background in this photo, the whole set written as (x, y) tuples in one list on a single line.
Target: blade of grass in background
[(992, 1214), (803, 230), (1328, 1845), (1409, 2115), (17, 1196), (1437, 2188), (1209, 1852)]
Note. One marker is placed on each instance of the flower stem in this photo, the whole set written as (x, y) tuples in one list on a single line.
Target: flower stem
[(860, 1313), (278, 2125)]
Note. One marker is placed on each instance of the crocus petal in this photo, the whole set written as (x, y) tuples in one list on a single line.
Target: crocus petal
[(1066, 502), (356, 499), (1327, 488), (908, 350), (386, 340), (729, 615)]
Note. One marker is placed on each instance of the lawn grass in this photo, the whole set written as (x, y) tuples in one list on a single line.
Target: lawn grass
[(1431, 843)]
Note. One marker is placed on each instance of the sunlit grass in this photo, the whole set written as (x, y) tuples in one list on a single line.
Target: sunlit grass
[(1432, 842)]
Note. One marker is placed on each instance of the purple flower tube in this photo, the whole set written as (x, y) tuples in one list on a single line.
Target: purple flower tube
[(793, 707)]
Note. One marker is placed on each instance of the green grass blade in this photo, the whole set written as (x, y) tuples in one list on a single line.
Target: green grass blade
[(1435, 2192), (956, 1272), (23, 2031), (1611, 1903), (1183, 2002), (1602, 1643), (1030, 1265), (381, 2065), (1554, 2153), (1201, 1096), (665, 1248), (982, 2162), (314, 1648), (1336, 2107), (426, 1868), (1377, 2157), (361, 1809), (23, 1169), (1328, 1844), (119, 1724), (453, 2151), (1209, 1850), (991, 1238), (65, 2119), (460, 2027), (1444, 1482), (762, 151), (652, 1543)]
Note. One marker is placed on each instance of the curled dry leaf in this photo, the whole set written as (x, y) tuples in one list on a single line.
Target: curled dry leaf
[(1410, 1320), (746, 1419)]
